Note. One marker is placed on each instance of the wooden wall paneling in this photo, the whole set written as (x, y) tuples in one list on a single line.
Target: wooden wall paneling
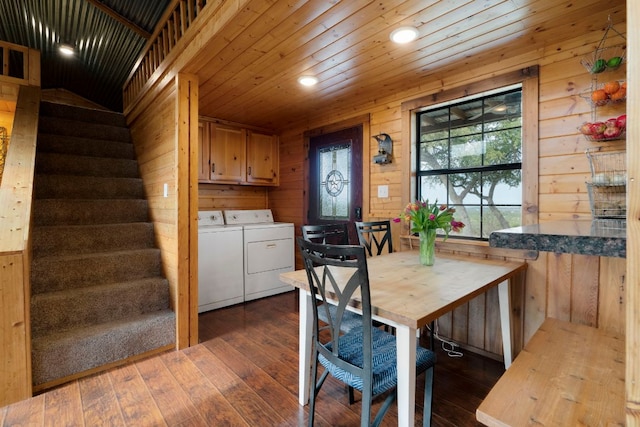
[(154, 133), (632, 362), (477, 310), (584, 289), (16, 193), (459, 328), (493, 332), (559, 286), (577, 203), (187, 198), (222, 196), (15, 353), (444, 325), (612, 297), (567, 183), (530, 150)]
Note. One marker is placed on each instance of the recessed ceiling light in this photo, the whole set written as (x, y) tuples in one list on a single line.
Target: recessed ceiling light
[(404, 35), (307, 80), (66, 49)]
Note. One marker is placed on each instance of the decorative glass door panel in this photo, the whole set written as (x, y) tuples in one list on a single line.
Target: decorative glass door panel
[(335, 182)]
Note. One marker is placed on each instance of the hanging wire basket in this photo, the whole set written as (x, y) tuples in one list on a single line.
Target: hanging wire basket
[(599, 96), (607, 188), (607, 58)]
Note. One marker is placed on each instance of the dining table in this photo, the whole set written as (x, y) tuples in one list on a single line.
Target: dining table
[(408, 296)]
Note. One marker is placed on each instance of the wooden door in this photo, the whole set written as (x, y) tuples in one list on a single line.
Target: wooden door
[(228, 154), (335, 179), (262, 158)]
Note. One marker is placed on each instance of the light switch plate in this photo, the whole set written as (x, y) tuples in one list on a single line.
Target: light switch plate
[(383, 191), (166, 190)]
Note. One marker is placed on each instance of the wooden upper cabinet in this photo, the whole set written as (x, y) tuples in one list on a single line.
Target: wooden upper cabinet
[(203, 152), (262, 159), (228, 154), (234, 155)]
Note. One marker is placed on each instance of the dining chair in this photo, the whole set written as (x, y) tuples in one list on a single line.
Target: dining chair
[(375, 235), (364, 358), (335, 234)]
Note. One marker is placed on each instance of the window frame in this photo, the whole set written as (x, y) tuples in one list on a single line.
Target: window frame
[(449, 170), (528, 78)]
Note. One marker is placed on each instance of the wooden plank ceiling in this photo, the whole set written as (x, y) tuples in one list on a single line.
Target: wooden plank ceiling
[(248, 72)]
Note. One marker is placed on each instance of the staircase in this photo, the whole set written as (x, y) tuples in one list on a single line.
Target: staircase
[(98, 295)]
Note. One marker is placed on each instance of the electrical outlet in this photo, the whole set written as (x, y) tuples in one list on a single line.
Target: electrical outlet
[(166, 190), (383, 191)]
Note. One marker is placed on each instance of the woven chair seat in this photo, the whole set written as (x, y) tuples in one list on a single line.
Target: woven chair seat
[(385, 374)]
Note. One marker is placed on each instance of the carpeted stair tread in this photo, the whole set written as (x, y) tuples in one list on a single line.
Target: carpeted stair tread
[(72, 308), (55, 273), (55, 164), (89, 211), (70, 239), (81, 114), (87, 187), (71, 127), (91, 147), (98, 293), (66, 353)]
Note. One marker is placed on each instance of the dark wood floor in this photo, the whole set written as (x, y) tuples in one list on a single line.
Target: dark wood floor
[(244, 373)]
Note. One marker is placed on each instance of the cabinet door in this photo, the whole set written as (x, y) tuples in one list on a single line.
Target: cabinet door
[(203, 152), (228, 154), (262, 159)]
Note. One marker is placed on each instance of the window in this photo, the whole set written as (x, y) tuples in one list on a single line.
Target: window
[(469, 156)]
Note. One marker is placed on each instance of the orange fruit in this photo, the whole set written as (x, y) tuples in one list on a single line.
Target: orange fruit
[(598, 95), (619, 95), (611, 87)]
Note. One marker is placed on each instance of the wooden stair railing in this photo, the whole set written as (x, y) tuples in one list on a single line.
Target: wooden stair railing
[(178, 18)]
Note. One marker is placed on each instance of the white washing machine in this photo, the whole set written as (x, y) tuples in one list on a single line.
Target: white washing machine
[(220, 262), (268, 251)]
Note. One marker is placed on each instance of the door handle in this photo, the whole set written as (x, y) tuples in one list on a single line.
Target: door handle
[(358, 213)]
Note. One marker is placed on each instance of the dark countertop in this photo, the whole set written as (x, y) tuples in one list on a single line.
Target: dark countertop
[(602, 237)]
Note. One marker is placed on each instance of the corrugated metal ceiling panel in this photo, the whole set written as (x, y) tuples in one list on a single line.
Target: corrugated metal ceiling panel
[(106, 49)]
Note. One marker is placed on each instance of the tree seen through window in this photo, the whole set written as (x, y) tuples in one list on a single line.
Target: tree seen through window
[(470, 157)]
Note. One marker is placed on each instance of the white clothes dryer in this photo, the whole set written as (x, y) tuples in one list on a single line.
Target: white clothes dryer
[(268, 249)]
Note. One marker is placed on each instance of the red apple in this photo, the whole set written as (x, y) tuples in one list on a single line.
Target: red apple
[(585, 129), (612, 122), (597, 128), (621, 121), (612, 132)]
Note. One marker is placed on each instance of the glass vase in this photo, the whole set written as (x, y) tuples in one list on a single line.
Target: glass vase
[(428, 247)]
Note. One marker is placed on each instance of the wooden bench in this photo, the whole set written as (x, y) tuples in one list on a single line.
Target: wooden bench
[(567, 375)]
